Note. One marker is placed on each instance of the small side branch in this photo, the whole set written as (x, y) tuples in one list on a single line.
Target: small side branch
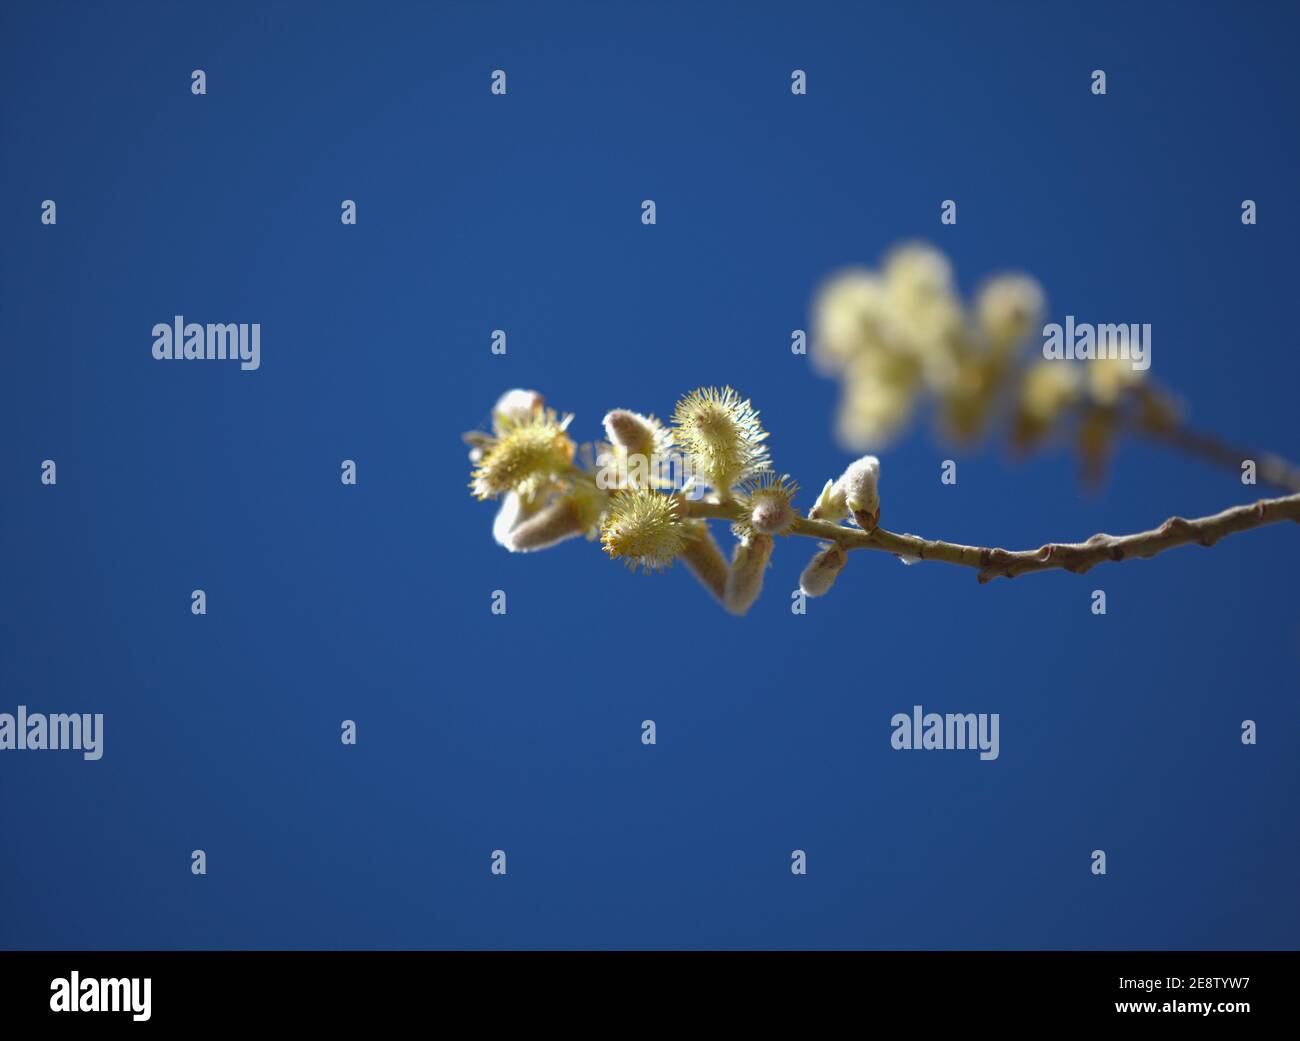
[(1269, 469)]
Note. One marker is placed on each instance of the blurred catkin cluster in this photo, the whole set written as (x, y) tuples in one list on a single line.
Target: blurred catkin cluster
[(901, 338), (647, 490)]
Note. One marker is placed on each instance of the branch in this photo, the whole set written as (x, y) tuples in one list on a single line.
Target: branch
[(1076, 557), (1271, 469)]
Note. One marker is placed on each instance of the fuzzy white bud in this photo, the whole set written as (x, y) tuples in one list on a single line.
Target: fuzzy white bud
[(745, 579), (562, 519), (508, 515), (830, 504), (859, 486), (823, 570), (703, 558), (630, 432), (517, 404), (771, 515)]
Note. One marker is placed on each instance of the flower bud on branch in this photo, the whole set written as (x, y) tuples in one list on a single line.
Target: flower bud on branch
[(766, 505), (859, 486), (745, 579), (703, 558), (823, 570)]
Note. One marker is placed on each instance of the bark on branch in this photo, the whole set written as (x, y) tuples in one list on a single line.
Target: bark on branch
[(1077, 557)]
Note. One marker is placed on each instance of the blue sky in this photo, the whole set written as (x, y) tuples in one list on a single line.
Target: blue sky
[(521, 732)]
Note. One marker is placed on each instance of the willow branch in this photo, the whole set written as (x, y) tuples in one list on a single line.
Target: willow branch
[(1270, 469), (1076, 557)]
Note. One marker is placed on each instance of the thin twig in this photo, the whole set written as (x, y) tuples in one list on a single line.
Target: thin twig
[(1076, 557), (1269, 469)]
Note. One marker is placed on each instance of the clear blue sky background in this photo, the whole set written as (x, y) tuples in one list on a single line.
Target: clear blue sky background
[(522, 732)]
